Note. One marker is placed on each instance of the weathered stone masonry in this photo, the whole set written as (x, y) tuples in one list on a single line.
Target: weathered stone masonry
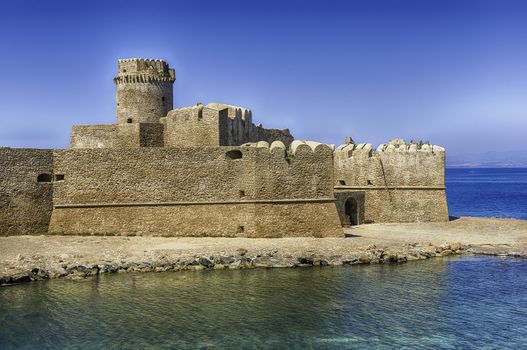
[(207, 170), (26, 190)]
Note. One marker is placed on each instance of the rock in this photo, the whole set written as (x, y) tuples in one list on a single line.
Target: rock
[(389, 257), (455, 246), (64, 257), (365, 258), (351, 261), (445, 246), (436, 249), (241, 251), (305, 261), (235, 265), (246, 262), (264, 261), (20, 278), (61, 272), (192, 262), (226, 260), (206, 262), (38, 274), (428, 253)]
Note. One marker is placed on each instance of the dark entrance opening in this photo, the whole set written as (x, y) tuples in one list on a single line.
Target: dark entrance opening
[(44, 178), (351, 212)]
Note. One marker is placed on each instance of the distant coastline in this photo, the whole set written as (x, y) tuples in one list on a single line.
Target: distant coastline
[(494, 159), (486, 166)]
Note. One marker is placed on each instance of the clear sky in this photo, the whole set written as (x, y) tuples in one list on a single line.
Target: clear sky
[(453, 72)]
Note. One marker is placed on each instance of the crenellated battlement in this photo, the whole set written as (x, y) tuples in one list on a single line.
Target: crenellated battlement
[(366, 149), (143, 70), (351, 150), (234, 112), (142, 78), (411, 148), (298, 147)]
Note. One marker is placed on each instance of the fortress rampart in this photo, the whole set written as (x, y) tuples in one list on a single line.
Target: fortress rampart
[(179, 191), (401, 182), (208, 170), (26, 190)]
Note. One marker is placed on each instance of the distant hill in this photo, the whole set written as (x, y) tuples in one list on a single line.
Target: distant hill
[(491, 159)]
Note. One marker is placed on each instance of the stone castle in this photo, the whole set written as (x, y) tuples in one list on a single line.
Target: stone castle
[(207, 170)]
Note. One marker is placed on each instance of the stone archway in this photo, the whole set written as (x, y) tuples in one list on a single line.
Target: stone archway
[(351, 212)]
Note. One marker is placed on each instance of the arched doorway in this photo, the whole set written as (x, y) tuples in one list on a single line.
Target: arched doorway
[(351, 212)]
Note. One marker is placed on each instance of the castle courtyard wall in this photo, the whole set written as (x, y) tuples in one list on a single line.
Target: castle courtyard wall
[(213, 191), (25, 203)]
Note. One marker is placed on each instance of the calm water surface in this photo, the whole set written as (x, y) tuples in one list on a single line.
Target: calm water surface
[(463, 303), (487, 192)]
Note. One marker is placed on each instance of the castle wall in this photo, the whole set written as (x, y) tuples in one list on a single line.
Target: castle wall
[(259, 133), (117, 136), (195, 126), (402, 183), (240, 129), (25, 203), (151, 135), (195, 191), (217, 125), (93, 136)]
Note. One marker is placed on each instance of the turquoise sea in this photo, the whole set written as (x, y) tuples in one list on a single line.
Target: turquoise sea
[(442, 303), (463, 303)]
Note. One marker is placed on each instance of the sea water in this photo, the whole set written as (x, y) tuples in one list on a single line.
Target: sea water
[(487, 192), (442, 303)]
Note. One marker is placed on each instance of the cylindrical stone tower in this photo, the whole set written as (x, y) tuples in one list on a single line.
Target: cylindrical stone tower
[(143, 90)]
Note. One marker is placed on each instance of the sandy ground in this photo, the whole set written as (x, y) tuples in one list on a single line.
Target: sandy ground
[(466, 230), (59, 256)]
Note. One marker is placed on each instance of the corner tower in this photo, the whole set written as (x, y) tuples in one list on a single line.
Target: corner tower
[(143, 90)]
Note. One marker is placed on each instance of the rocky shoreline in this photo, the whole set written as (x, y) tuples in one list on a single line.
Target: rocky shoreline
[(40, 257), (66, 266)]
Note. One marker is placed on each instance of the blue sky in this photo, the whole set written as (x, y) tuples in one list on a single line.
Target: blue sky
[(453, 72)]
